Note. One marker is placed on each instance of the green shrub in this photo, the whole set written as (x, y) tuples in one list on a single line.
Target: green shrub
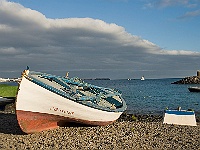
[(8, 90), (134, 118)]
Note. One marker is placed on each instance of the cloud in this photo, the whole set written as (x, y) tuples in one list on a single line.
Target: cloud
[(188, 5), (84, 46), (190, 14), (179, 52), (168, 3)]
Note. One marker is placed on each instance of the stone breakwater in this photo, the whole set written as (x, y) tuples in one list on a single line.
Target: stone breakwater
[(128, 132), (189, 80)]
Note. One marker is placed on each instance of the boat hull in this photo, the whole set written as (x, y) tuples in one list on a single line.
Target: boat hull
[(194, 89), (39, 109)]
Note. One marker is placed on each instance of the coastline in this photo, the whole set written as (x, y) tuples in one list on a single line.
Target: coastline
[(146, 132)]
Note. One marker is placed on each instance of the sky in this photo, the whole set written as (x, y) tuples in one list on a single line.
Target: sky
[(115, 39)]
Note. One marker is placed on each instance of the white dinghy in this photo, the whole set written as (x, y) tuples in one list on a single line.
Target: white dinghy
[(180, 117)]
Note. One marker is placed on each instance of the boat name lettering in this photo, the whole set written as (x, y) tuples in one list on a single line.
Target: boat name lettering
[(61, 110)]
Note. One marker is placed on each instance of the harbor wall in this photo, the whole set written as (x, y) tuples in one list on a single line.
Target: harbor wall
[(198, 73), (190, 80)]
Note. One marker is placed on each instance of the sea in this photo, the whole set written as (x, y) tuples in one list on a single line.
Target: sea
[(153, 96)]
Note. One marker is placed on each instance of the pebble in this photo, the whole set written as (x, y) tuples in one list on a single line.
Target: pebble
[(122, 134)]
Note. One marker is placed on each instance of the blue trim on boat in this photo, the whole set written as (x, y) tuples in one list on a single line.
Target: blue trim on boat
[(181, 112), (84, 100), (52, 89)]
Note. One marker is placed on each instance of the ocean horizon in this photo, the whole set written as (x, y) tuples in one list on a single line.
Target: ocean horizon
[(151, 96)]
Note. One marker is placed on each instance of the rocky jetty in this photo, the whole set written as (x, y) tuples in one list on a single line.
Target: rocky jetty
[(189, 80)]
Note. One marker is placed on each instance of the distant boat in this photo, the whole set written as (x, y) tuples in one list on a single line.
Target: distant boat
[(142, 78), (4, 79), (9, 80), (46, 101), (5, 100), (194, 89), (102, 79)]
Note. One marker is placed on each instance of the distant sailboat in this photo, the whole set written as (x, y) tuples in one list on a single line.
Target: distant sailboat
[(142, 78)]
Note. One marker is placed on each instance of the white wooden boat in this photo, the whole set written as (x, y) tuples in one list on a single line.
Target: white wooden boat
[(47, 101)]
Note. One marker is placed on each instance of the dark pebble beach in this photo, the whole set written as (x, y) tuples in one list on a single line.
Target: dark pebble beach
[(128, 132)]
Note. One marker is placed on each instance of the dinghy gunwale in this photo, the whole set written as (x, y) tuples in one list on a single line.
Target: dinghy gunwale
[(88, 103)]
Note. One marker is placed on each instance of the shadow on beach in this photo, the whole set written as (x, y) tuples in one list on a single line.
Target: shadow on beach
[(9, 124)]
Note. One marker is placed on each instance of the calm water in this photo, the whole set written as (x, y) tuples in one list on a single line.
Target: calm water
[(152, 96)]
